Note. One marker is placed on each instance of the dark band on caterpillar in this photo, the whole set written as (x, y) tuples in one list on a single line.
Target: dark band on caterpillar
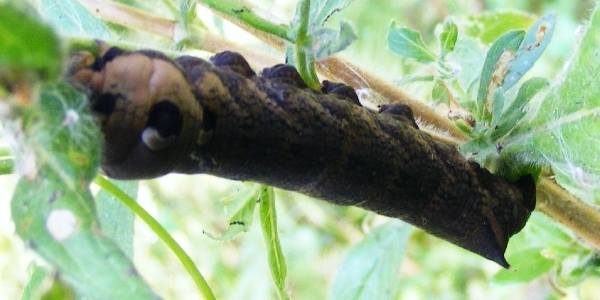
[(221, 118)]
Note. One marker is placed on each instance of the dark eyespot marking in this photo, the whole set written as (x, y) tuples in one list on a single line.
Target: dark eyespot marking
[(400, 112), (104, 104), (166, 118), (341, 89), (163, 127), (234, 61), (284, 74)]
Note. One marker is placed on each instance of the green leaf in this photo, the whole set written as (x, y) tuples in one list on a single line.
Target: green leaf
[(328, 41), (268, 222), (240, 208), (469, 55), (498, 100), (551, 235), (564, 131), (448, 37), (439, 92), (72, 19), (6, 166), (116, 219), (53, 208), (59, 223), (59, 290), (408, 43), (321, 10), (528, 265), (494, 70), (587, 268), (39, 282), (26, 44), (371, 268), (515, 112), (488, 27), (531, 48)]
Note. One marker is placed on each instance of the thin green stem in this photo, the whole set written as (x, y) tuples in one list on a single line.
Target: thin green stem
[(304, 15), (304, 61), (245, 14), (162, 233)]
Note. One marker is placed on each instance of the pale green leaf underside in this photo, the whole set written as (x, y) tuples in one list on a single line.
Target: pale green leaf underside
[(268, 222), (240, 211), (371, 268), (408, 43)]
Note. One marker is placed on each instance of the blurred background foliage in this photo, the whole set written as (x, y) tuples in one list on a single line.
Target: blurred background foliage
[(315, 235)]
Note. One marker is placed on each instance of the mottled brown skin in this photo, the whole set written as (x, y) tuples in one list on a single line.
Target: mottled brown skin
[(274, 130)]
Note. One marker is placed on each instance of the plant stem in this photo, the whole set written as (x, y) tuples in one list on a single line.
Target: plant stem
[(243, 13), (340, 70), (304, 60), (161, 232), (563, 207)]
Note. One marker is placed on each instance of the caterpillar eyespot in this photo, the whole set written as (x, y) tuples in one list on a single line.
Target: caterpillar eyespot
[(163, 126), (190, 116), (147, 111)]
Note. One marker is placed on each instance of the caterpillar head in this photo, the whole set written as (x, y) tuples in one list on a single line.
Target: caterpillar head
[(148, 114)]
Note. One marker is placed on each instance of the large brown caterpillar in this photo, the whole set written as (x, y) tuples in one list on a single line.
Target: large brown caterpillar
[(190, 116)]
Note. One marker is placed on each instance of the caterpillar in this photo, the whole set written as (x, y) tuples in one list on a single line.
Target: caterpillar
[(190, 116)]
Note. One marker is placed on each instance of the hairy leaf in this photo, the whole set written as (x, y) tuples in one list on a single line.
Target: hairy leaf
[(53, 209), (564, 131)]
